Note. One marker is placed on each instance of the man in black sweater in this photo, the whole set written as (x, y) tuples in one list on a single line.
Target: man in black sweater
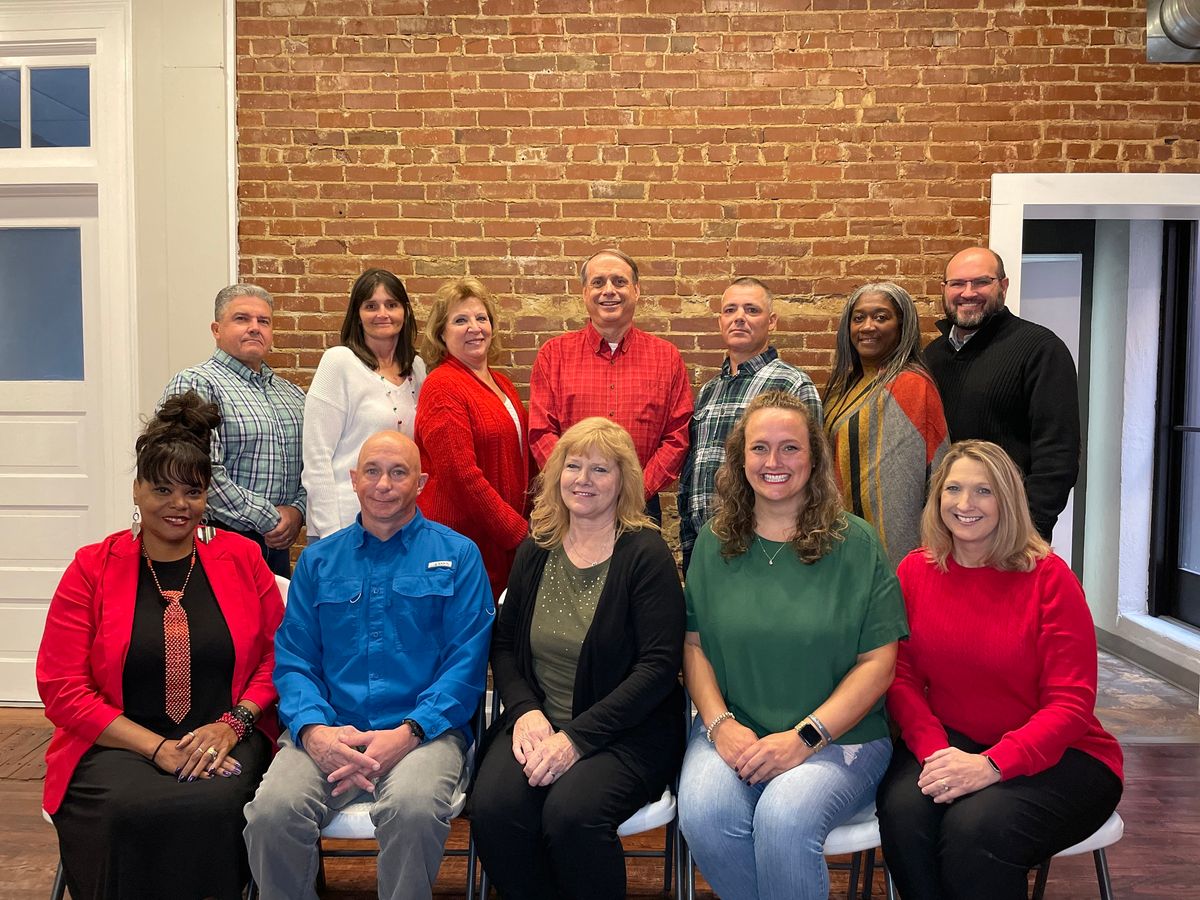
[(1007, 380)]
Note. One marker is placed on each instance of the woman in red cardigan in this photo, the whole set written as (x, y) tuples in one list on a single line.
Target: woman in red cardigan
[(155, 668), (1002, 762), (472, 430)]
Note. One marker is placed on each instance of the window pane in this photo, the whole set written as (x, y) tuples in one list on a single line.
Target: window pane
[(42, 338), (10, 107), (59, 107)]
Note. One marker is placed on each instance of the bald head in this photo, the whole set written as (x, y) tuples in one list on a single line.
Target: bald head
[(974, 288), (387, 480)]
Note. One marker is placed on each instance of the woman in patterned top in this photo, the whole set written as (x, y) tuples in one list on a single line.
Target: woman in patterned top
[(883, 415)]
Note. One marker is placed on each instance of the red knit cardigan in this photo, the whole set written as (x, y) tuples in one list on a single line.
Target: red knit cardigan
[(478, 471)]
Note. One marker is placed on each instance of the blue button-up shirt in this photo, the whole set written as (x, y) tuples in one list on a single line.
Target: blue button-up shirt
[(380, 631)]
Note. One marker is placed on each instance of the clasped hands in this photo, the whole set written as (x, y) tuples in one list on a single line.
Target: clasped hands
[(545, 753), (189, 757), (951, 773), (756, 759), (356, 759)]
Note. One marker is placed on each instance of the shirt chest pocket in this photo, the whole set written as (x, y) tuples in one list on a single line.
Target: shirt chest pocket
[(415, 608), (338, 610)]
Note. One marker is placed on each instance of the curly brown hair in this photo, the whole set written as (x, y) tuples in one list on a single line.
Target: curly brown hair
[(822, 520)]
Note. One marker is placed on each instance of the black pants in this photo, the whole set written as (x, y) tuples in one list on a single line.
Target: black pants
[(278, 561), (558, 842), (982, 846)]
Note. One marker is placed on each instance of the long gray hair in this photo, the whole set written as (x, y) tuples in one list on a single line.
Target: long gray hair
[(847, 366)]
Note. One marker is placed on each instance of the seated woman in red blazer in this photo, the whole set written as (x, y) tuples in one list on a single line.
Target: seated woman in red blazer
[(472, 430), (155, 668)]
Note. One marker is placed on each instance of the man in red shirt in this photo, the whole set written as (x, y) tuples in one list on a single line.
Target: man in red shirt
[(615, 370)]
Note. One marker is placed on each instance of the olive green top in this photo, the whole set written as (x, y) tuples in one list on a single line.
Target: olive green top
[(566, 604)]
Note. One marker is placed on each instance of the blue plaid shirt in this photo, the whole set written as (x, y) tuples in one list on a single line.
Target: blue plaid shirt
[(256, 448), (719, 405)]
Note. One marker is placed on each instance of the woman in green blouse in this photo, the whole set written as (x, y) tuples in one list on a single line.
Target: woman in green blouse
[(793, 616)]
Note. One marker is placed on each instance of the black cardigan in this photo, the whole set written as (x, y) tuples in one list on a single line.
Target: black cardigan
[(627, 697), (1014, 384)]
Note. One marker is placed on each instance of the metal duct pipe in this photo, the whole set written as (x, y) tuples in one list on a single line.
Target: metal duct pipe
[(1180, 20)]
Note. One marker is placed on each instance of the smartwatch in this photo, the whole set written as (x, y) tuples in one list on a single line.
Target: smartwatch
[(813, 739)]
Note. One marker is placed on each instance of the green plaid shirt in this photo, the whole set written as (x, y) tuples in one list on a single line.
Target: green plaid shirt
[(256, 448), (718, 406)]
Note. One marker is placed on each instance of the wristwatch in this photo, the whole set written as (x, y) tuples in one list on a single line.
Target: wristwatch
[(813, 739), (417, 730)]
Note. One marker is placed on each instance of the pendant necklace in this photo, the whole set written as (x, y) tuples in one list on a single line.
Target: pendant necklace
[(770, 556), (170, 596)]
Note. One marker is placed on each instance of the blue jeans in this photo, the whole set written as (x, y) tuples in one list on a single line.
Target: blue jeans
[(764, 841)]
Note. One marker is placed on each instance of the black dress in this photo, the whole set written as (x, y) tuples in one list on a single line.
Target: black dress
[(126, 829)]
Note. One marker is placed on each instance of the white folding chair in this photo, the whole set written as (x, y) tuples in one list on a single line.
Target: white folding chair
[(1104, 836)]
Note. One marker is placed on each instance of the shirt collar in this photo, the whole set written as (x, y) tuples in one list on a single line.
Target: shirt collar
[(363, 538), (265, 375), (596, 342), (751, 365)]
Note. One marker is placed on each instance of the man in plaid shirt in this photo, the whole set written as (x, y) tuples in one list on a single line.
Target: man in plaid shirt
[(615, 370), (255, 487), (751, 367)]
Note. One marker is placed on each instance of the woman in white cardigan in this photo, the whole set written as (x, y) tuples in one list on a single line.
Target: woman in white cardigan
[(368, 384)]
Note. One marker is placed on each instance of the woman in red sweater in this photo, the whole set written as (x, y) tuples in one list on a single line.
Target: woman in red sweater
[(472, 430), (1001, 762)]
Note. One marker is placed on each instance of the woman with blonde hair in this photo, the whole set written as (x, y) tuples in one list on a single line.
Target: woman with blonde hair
[(371, 382), (1001, 761), (472, 430), (586, 656), (793, 614), (883, 415)]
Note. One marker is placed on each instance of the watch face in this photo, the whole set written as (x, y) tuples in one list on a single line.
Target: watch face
[(810, 735)]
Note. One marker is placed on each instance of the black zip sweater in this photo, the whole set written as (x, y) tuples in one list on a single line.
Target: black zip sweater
[(1014, 384)]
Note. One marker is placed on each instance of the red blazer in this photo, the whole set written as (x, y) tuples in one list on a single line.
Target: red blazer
[(478, 472), (81, 660)]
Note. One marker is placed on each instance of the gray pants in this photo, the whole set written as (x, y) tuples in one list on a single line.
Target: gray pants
[(411, 813)]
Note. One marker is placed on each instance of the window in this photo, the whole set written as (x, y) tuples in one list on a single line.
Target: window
[(1175, 528)]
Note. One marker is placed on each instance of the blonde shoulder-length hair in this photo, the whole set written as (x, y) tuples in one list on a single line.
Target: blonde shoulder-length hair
[(449, 295), (821, 521), (1016, 545), (550, 518)]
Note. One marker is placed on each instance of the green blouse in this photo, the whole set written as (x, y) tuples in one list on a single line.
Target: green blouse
[(781, 635)]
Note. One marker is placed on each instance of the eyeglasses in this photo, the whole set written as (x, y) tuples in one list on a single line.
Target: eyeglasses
[(960, 284)]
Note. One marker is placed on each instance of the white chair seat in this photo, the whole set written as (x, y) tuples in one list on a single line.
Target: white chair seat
[(1104, 836), (859, 833), (353, 822), (652, 815)]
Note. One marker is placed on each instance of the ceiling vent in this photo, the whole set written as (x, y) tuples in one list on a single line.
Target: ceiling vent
[(1173, 31)]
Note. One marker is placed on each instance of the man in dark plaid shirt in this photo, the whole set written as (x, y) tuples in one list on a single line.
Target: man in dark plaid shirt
[(255, 487), (751, 367)]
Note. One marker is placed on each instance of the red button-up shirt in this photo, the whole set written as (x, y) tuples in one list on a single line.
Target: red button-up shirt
[(642, 386)]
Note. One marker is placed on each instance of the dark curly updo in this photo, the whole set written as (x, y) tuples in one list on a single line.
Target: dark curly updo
[(174, 447)]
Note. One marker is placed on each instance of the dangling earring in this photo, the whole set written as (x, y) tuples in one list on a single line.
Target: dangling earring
[(205, 532), (135, 527)]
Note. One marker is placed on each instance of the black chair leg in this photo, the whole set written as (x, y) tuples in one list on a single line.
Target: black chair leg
[(59, 889), (1039, 883), (668, 858), (869, 875), (1102, 875), (472, 859), (888, 884), (855, 868)]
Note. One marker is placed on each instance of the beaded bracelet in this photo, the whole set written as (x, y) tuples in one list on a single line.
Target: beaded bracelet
[(241, 720), (712, 728)]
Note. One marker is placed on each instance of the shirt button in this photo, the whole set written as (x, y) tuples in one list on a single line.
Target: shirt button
[(375, 592), (375, 635)]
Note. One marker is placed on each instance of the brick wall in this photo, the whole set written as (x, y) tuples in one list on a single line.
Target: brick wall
[(815, 143)]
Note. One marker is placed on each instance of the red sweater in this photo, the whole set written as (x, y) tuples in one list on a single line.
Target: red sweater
[(478, 472), (1006, 658)]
